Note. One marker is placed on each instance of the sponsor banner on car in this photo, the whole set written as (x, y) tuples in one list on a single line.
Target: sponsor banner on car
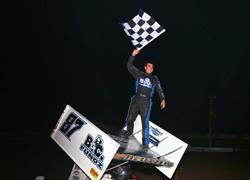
[(88, 146)]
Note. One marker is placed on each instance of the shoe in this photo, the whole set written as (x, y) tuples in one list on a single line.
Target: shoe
[(144, 151), (145, 148), (125, 134)]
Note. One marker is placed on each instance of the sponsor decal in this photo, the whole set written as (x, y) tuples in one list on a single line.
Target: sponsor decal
[(145, 82), (155, 131), (93, 149), (94, 173), (154, 141)]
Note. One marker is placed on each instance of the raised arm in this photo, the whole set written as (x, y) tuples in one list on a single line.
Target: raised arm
[(130, 65)]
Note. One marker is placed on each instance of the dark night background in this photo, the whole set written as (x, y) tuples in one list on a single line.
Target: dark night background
[(75, 52)]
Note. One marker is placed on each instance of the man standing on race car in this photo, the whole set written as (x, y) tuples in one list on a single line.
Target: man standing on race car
[(145, 85)]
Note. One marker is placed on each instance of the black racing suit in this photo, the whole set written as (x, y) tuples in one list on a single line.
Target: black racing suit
[(141, 102)]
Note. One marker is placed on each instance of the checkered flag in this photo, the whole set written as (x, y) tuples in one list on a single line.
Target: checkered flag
[(142, 29)]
